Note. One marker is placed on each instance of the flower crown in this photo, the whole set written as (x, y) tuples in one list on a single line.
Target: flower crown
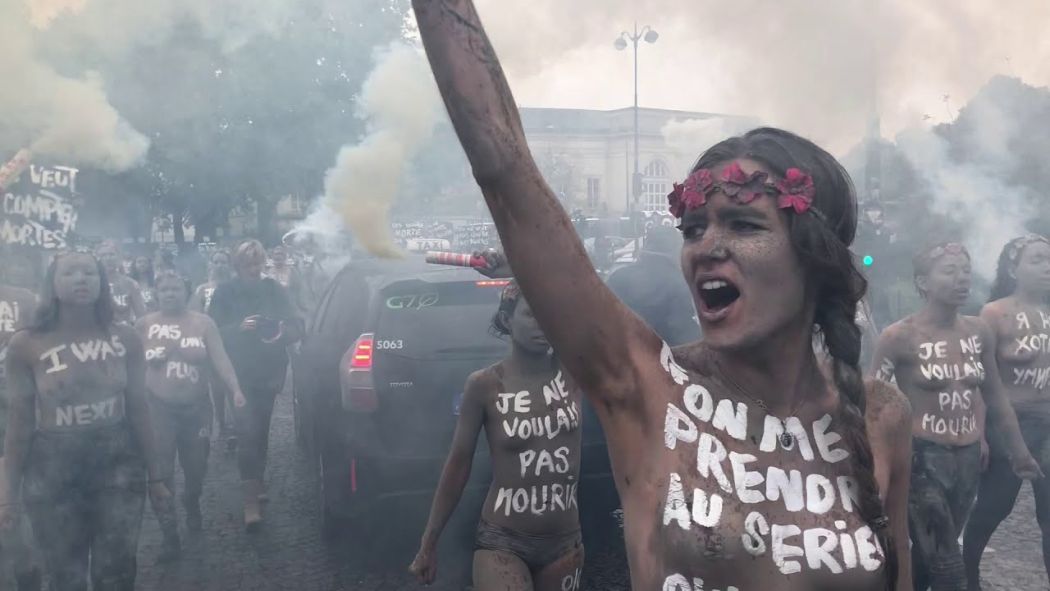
[(1017, 245), (795, 191), (948, 248)]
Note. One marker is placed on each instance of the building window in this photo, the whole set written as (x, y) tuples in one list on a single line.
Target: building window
[(656, 184), (594, 192)]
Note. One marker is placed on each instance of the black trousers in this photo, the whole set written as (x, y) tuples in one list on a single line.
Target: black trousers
[(999, 487), (943, 487), (253, 431), (85, 492)]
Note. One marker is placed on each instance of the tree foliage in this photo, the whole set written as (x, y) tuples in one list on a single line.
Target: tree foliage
[(243, 126)]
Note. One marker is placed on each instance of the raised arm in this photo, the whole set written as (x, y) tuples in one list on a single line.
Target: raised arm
[(597, 338), (21, 422), (1000, 411), (454, 478)]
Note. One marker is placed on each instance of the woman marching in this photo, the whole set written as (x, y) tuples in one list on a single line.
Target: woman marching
[(79, 438), (529, 534), (740, 461), (257, 323), (183, 349), (142, 273), (945, 364), (1018, 312), (219, 272), (126, 292)]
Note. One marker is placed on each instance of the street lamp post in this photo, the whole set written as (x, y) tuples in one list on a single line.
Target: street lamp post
[(621, 43)]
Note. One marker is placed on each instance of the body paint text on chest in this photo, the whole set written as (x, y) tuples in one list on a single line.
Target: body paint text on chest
[(729, 473), (10, 315), (55, 359), (80, 415), (562, 415), (934, 366)]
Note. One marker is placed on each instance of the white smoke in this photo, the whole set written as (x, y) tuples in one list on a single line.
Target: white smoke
[(65, 113), (993, 211), (400, 103), (814, 67), (63, 117), (688, 138)]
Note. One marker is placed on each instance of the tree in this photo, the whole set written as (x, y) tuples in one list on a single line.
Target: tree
[(230, 127)]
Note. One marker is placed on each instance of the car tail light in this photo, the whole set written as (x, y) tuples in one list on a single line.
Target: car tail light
[(362, 353), (493, 283), (355, 376)]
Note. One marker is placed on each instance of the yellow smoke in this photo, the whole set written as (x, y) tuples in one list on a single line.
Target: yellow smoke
[(400, 103)]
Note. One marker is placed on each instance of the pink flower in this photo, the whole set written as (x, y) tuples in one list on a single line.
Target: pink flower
[(796, 191), (692, 193), (734, 174), (742, 187), (674, 201), (696, 188)]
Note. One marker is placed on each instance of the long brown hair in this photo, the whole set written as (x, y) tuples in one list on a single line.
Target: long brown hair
[(821, 242)]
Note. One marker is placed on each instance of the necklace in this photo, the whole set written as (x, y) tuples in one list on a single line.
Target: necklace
[(787, 440)]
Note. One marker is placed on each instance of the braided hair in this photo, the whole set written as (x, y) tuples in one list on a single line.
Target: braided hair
[(821, 241), (508, 302)]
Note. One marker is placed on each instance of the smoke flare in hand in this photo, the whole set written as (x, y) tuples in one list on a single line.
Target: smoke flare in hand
[(400, 103)]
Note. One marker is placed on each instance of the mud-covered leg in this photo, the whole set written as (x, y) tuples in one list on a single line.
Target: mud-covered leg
[(194, 443), (500, 571), (165, 426), (563, 574), (113, 551)]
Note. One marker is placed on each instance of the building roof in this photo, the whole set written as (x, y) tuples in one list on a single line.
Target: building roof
[(540, 120)]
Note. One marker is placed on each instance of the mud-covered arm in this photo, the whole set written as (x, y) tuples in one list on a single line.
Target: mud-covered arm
[(135, 404), (220, 361), (884, 359), (898, 422), (600, 342), (21, 415), (456, 473), (999, 409)]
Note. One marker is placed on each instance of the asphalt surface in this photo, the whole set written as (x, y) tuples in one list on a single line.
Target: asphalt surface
[(288, 553)]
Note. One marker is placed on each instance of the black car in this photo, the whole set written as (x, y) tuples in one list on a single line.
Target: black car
[(377, 383)]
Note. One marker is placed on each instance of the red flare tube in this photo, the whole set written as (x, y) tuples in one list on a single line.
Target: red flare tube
[(14, 167), (456, 259)]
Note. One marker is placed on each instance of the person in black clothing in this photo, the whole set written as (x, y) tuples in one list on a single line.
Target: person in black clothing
[(653, 288), (257, 323)]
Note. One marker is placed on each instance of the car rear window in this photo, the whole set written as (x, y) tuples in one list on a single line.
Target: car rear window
[(423, 319)]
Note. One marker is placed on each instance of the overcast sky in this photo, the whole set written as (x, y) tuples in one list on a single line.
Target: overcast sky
[(807, 65)]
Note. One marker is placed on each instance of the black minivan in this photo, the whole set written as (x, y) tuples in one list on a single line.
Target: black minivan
[(378, 381)]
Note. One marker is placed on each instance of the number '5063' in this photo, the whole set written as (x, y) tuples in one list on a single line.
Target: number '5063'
[(398, 344)]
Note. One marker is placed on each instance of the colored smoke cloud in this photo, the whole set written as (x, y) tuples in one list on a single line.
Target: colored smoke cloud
[(400, 103)]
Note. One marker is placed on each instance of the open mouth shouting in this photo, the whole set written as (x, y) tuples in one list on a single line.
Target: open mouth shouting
[(717, 296)]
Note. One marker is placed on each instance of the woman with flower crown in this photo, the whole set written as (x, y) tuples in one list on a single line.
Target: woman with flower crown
[(1018, 312), (945, 363), (742, 462)]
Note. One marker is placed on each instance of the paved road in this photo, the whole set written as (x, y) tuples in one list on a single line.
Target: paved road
[(288, 552)]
